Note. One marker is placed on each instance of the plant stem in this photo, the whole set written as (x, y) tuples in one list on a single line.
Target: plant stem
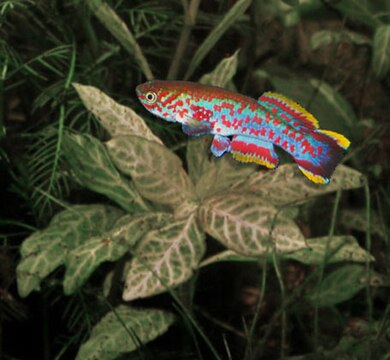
[(190, 14)]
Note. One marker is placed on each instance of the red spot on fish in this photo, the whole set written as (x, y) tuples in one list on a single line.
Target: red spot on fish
[(319, 150), (242, 107), (300, 137), (254, 132), (285, 131), (277, 140), (285, 117), (225, 122), (217, 108), (284, 144), (244, 129), (262, 131), (270, 134), (229, 106), (292, 148), (267, 117), (257, 120), (292, 134), (276, 122), (247, 119)]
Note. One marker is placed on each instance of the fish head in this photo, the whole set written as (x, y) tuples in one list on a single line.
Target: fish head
[(154, 96)]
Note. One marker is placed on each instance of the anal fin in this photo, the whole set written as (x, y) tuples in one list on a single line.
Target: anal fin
[(248, 149)]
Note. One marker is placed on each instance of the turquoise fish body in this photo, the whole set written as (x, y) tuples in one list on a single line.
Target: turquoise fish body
[(247, 128)]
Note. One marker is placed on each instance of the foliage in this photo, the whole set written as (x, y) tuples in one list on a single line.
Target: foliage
[(128, 208)]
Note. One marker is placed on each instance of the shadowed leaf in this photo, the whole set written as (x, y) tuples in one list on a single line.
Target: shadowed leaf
[(109, 246), (123, 330), (381, 52), (94, 169), (45, 250)]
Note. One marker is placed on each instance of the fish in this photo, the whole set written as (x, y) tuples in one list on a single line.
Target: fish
[(247, 128)]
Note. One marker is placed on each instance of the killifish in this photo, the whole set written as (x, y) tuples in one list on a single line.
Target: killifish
[(248, 128)]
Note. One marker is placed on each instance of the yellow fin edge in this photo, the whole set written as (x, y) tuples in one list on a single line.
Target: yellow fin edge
[(341, 139), (314, 178), (248, 158), (294, 105)]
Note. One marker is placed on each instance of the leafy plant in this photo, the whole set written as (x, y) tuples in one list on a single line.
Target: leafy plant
[(168, 216)]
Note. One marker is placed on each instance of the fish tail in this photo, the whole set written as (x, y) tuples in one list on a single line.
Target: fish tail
[(319, 156)]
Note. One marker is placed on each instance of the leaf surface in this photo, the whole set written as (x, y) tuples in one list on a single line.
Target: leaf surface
[(165, 258), (109, 246), (248, 226), (45, 250), (117, 119), (157, 173), (340, 285), (287, 185), (124, 330), (94, 169), (381, 52)]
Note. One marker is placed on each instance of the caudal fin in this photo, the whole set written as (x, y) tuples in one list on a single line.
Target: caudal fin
[(320, 156)]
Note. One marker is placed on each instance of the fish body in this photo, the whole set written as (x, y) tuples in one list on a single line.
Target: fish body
[(246, 127)]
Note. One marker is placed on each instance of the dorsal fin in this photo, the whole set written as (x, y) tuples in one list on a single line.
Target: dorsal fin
[(297, 116)]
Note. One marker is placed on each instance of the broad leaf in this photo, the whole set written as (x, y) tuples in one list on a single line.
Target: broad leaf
[(165, 258), (340, 285), (381, 52), (359, 10), (324, 250), (357, 219), (124, 330), (223, 73), (109, 246), (287, 185), (237, 10), (328, 37), (47, 249), (157, 173), (117, 119), (223, 173), (94, 169), (249, 226), (340, 248)]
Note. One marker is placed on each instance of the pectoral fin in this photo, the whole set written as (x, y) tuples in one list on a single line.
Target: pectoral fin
[(248, 149), (195, 128), (220, 145)]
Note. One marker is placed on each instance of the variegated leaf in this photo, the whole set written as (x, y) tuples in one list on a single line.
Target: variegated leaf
[(47, 249), (117, 119), (165, 258), (357, 219), (331, 250), (249, 226), (223, 73), (124, 330), (228, 255), (94, 169), (287, 185), (110, 246), (157, 173)]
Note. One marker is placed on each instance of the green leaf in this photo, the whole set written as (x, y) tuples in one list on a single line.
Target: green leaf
[(124, 330), (327, 37), (340, 285), (113, 23), (381, 52), (198, 156), (109, 246), (165, 258), (224, 173), (117, 119), (247, 225), (359, 10), (45, 250), (94, 169), (287, 185), (223, 73), (235, 12), (227, 255), (340, 248), (356, 219), (157, 172)]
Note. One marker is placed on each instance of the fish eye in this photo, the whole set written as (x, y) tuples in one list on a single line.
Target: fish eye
[(151, 97)]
